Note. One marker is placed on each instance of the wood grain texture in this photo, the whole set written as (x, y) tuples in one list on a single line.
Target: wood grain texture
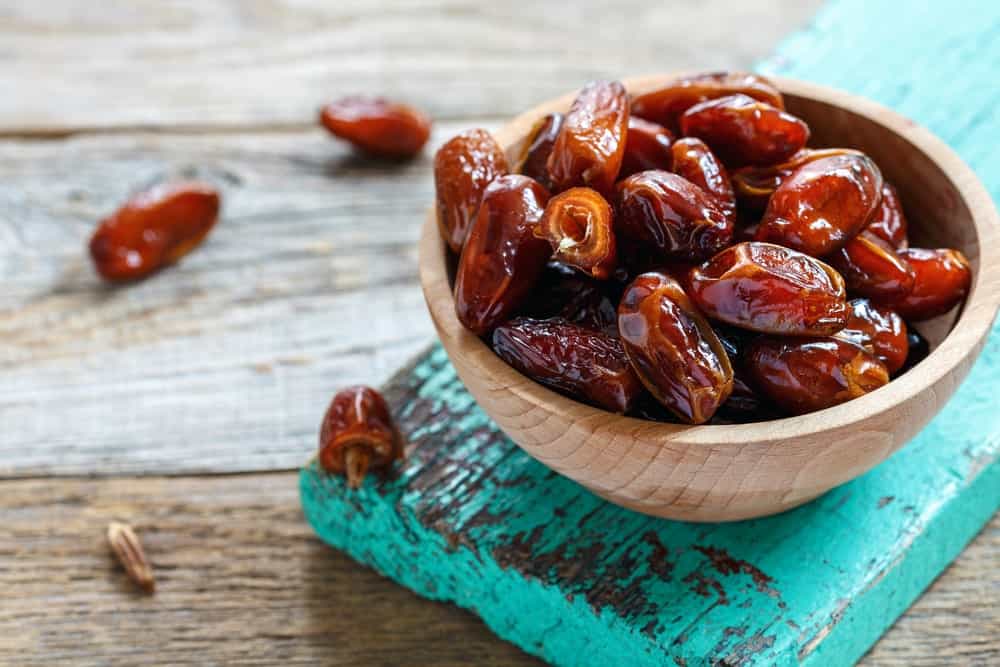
[(734, 472), (226, 361), (470, 518), (285, 597), (243, 580), (240, 580), (238, 63)]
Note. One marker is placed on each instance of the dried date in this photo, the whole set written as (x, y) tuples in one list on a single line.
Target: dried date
[(358, 434), (666, 105), (672, 348), (823, 204), (577, 224), (771, 289), (803, 375), (463, 167), (377, 126), (668, 214), (583, 363), (871, 268), (693, 159), (153, 229), (942, 280), (754, 185), (889, 221), (502, 258), (647, 146), (535, 157), (590, 145), (878, 330), (742, 130)]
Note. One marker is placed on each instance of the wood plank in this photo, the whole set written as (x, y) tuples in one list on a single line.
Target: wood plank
[(226, 361), (471, 518), (241, 579), (242, 63)]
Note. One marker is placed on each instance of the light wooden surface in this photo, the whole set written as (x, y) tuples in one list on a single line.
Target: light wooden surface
[(240, 64), (727, 473), (243, 580), (225, 363)]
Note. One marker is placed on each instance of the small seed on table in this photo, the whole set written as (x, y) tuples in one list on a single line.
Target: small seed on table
[(127, 548)]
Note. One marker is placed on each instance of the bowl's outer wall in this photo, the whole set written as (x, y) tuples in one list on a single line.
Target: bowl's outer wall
[(723, 473)]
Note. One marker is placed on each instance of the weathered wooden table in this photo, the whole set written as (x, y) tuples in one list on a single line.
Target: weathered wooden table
[(182, 404)]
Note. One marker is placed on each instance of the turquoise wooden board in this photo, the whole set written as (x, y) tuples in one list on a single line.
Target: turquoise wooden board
[(471, 519)]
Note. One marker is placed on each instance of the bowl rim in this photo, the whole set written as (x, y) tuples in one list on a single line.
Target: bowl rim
[(967, 334)]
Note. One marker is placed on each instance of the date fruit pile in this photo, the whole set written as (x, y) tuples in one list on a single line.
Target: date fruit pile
[(682, 255)]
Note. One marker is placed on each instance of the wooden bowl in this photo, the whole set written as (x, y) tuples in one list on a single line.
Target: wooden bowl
[(725, 473)]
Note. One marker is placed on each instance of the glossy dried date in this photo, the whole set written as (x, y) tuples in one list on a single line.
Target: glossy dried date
[(878, 330), (671, 216), (803, 375), (153, 229), (502, 258), (665, 105), (889, 222), (647, 146), (823, 204), (742, 130), (377, 126), (463, 167), (694, 160), (357, 434), (535, 157), (755, 185), (871, 268), (583, 363), (943, 278), (577, 224), (771, 289), (589, 147), (673, 349)]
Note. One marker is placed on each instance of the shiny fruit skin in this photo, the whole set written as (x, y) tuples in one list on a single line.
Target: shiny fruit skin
[(889, 221), (942, 280), (671, 216), (647, 146), (871, 268), (463, 167), (693, 159), (378, 126), (742, 130), (770, 289), (502, 259), (583, 363), (802, 375), (154, 229), (673, 349), (754, 185), (590, 145), (358, 417), (879, 330), (534, 160), (823, 204), (666, 105)]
